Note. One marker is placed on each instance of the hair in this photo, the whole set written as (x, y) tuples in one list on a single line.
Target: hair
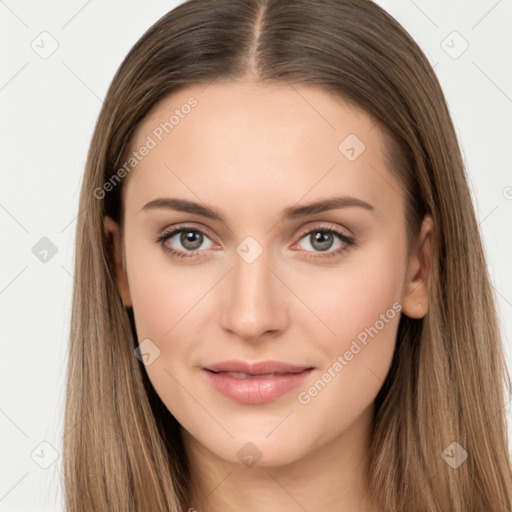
[(123, 449)]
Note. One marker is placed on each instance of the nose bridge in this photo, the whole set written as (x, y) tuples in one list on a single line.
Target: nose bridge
[(254, 301)]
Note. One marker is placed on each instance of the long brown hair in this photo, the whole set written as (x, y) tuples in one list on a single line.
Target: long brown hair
[(447, 383)]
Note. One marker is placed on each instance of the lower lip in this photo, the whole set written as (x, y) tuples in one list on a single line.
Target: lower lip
[(255, 390)]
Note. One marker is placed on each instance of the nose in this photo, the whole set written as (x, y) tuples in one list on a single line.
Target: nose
[(253, 299)]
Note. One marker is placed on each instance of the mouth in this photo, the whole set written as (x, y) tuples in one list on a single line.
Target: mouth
[(241, 375), (255, 383), (257, 368)]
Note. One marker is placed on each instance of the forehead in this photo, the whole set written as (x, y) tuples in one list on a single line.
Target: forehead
[(252, 144)]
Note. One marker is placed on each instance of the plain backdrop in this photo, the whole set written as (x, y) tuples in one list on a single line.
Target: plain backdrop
[(49, 105)]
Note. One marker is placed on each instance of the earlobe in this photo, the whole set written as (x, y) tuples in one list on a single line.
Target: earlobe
[(416, 293), (112, 232)]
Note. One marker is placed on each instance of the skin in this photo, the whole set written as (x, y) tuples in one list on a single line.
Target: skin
[(249, 150)]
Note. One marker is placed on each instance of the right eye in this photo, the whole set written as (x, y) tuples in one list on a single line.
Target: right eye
[(190, 239)]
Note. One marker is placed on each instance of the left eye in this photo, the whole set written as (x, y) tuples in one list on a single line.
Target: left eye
[(322, 239), (319, 239)]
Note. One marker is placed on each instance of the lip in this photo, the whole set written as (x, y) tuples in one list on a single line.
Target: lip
[(256, 386), (256, 368)]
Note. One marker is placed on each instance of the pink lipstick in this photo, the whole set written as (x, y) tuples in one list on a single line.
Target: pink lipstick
[(255, 383)]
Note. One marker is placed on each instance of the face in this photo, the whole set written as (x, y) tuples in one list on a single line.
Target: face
[(230, 265)]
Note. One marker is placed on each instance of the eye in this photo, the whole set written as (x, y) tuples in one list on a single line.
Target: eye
[(322, 238), (191, 239)]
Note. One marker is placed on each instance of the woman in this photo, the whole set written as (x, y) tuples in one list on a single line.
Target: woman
[(282, 301)]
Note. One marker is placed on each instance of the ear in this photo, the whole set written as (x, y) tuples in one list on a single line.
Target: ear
[(112, 232), (416, 292)]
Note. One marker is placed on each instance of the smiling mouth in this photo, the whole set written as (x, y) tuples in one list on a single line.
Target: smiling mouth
[(257, 389), (241, 375)]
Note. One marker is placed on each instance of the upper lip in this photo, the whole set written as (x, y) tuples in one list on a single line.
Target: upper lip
[(256, 368)]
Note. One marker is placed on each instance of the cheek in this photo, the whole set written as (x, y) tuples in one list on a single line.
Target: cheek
[(355, 296), (360, 305), (172, 302), (166, 303), (162, 302), (163, 293)]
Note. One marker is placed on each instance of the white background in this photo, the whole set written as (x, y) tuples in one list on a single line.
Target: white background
[(49, 107)]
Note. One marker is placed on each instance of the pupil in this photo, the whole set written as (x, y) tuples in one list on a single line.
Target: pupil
[(324, 240), (187, 239)]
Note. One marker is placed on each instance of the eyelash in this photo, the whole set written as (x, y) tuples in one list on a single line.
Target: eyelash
[(349, 241)]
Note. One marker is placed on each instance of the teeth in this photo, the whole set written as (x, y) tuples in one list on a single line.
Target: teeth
[(240, 375)]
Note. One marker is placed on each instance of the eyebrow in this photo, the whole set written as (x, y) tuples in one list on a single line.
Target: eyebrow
[(290, 213)]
